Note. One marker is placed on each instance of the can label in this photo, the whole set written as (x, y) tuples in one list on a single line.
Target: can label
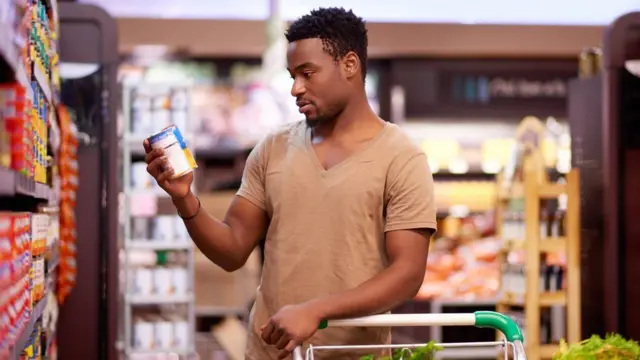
[(175, 149)]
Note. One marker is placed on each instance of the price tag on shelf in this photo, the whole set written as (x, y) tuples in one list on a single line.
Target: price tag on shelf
[(143, 205)]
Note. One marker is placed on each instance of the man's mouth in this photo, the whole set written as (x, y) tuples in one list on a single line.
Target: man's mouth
[(304, 106)]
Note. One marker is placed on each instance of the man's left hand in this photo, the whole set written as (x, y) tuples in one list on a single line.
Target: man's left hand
[(290, 327)]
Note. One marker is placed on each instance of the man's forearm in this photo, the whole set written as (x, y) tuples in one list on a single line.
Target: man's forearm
[(381, 293), (213, 237)]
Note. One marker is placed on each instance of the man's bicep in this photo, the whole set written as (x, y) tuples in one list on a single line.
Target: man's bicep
[(252, 187), (247, 214), (411, 245), (248, 222), (411, 198)]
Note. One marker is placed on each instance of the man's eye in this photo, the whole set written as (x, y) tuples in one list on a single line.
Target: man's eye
[(307, 75)]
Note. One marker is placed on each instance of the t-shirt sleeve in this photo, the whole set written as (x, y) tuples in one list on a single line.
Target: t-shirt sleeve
[(410, 196), (252, 187)]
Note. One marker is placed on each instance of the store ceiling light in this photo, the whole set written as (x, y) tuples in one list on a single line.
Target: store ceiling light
[(491, 166), (434, 166), (633, 66), (459, 166), (77, 70), (150, 54)]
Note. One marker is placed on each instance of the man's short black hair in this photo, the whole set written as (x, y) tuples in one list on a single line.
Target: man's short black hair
[(340, 30)]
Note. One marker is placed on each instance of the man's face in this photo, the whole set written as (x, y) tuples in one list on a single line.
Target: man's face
[(320, 89)]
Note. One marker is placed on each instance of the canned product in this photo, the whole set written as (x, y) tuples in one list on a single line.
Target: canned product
[(175, 149)]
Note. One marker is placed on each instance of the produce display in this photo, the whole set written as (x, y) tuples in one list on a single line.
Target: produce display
[(612, 347), (464, 265)]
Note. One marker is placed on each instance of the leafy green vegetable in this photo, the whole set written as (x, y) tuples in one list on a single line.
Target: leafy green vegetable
[(426, 352), (612, 347)]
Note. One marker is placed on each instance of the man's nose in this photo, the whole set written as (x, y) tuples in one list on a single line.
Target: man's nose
[(297, 89)]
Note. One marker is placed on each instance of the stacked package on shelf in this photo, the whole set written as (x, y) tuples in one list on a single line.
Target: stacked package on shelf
[(23, 238), (39, 230), (68, 170), (33, 347), (40, 120), (15, 287), (55, 58), (16, 113), (40, 51)]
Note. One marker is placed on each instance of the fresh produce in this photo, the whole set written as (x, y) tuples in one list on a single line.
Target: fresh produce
[(426, 352), (612, 347)]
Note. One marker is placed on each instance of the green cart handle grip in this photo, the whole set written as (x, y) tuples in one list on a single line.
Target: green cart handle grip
[(481, 319), (501, 322)]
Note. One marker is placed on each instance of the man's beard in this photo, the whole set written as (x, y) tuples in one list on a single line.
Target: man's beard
[(318, 120), (312, 123)]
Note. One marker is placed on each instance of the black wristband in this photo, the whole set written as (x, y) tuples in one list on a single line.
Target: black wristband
[(194, 215)]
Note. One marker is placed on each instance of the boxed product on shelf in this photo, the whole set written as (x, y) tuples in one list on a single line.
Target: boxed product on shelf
[(16, 110), (38, 278), (160, 281), (143, 334), (159, 229), (181, 331), (33, 350), (15, 246), (140, 179), (40, 223), (16, 305), (163, 330), (39, 118), (514, 277), (155, 110), (155, 331), (5, 143)]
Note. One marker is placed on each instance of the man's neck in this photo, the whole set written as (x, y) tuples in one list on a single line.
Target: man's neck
[(353, 119)]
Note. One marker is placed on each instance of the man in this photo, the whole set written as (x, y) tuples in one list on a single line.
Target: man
[(344, 198)]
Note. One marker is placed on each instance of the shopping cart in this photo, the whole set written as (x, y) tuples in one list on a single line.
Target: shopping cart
[(482, 319)]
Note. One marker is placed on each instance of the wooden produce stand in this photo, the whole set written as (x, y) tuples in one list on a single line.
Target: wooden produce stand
[(531, 185)]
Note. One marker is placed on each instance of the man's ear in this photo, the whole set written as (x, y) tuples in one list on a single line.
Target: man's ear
[(351, 64)]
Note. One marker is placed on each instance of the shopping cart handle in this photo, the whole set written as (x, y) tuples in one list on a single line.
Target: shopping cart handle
[(481, 319), (501, 322)]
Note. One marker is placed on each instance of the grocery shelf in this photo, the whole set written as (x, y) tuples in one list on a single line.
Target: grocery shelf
[(24, 336), (159, 299), (556, 298), (144, 244), (170, 351), (221, 311), (13, 183), (140, 201), (547, 245)]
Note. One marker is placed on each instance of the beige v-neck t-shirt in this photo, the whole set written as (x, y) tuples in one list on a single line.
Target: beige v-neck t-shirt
[(327, 227)]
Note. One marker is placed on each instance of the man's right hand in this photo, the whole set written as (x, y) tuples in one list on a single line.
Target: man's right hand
[(159, 168)]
